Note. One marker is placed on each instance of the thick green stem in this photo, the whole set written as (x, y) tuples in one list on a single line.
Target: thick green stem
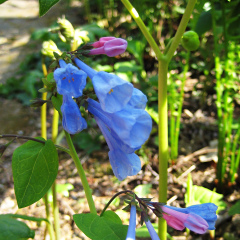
[(163, 141), (181, 29), (143, 28), (54, 193), (81, 173)]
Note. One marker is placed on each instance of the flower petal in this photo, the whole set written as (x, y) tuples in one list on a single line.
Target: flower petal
[(72, 120), (70, 80), (132, 223)]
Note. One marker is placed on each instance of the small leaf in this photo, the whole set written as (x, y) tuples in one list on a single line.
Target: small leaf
[(45, 5), (101, 228), (2, 1), (35, 167), (235, 209), (43, 90), (57, 102), (11, 228)]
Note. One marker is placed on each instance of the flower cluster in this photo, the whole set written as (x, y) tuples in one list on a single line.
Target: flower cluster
[(198, 218), (119, 111)]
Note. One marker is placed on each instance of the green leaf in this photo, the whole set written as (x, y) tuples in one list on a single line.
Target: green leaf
[(45, 5), (143, 190), (2, 1), (35, 167), (57, 102), (235, 209), (11, 228), (204, 23), (203, 195), (101, 228)]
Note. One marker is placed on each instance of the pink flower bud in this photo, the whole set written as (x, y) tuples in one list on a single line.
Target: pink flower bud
[(110, 46)]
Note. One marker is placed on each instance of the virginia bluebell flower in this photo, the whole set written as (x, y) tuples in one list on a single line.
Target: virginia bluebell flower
[(138, 99), (123, 164), (132, 223), (197, 218), (72, 120), (112, 91), (70, 80), (151, 230), (206, 210), (131, 125)]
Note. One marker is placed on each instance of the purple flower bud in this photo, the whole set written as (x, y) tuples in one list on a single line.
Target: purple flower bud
[(110, 46)]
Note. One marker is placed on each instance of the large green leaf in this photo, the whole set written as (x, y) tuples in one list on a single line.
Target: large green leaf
[(35, 167), (109, 226), (45, 5), (11, 228), (201, 195), (2, 1)]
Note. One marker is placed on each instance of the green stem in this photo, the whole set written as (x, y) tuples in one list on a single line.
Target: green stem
[(143, 28), (54, 193), (33, 139), (181, 29), (163, 141), (81, 173)]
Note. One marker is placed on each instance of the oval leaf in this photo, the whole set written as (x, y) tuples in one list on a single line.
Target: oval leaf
[(35, 167), (11, 228), (101, 228)]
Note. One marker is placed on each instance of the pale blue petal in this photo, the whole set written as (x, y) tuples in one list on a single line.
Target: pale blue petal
[(132, 224), (123, 164), (72, 120), (138, 99), (70, 80), (152, 231)]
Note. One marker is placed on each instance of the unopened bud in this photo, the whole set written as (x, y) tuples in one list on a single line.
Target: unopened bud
[(48, 49), (110, 46), (190, 41), (66, 29)]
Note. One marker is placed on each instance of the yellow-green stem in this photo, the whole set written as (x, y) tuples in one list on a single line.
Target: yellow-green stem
[(54, 193), (181, 29), (81, 173), (163, 141), (44, 135), (143, 28)]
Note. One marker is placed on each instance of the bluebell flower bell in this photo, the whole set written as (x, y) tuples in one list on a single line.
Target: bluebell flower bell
[(151, 230), (70, 80), (206, 210), (131, 233), (72, 120), (123, 164), (138, 99), (112, 91), (132, 126)]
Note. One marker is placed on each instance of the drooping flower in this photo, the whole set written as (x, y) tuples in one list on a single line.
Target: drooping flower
[(132, 223), (197, 218), (152, 231), (112, 91), (72, 120), (110, 46), (206, 210), (123, 164), (132, 126), (70, 80)]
